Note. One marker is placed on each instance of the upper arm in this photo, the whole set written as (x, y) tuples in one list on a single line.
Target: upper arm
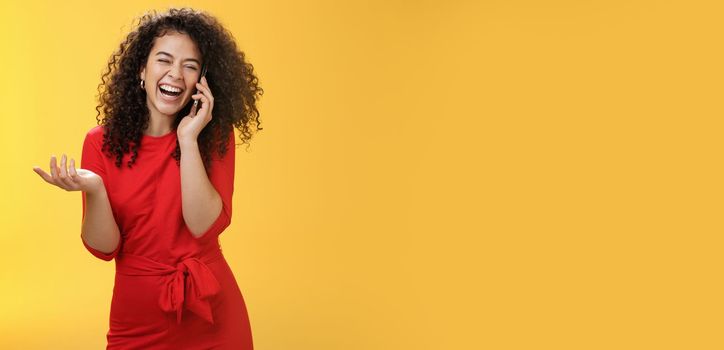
[(222, 178), (92, 159)]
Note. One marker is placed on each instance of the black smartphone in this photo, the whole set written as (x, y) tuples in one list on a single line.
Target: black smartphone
[(196, 91)]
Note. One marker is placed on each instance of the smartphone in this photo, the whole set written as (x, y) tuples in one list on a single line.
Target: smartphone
[(196, 91)]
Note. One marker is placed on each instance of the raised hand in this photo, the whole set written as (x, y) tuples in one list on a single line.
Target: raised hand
[(191, 125), (70, 179)]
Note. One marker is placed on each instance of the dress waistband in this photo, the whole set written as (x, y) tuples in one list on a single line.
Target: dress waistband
[(190, 282)]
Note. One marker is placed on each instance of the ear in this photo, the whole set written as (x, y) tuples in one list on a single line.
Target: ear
[(143, 74)]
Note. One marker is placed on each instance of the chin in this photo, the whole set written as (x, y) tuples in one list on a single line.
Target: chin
[(170, 110)]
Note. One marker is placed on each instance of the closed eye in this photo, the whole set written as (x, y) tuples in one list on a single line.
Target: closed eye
[(167, 61)]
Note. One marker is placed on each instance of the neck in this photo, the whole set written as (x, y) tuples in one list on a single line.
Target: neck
[(159, 124)]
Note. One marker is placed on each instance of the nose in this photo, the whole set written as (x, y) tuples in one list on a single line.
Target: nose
[(175, 72)]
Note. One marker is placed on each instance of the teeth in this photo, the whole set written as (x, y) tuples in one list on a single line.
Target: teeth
[(170, 88)]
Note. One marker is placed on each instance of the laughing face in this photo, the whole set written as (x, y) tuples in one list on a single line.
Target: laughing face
[(171, 72)]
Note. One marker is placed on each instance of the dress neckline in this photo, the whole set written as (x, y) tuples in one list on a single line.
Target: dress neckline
[(162, 137)]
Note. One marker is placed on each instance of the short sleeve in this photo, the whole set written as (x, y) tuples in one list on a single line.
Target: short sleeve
[(92, 159), (222, 178), (99, 254)]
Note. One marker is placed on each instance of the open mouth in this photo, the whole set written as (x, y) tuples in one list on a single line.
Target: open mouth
[(169, 92)]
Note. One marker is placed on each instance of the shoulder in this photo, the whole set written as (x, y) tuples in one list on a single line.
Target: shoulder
[(95, 134), (94, 137), (96, 131)]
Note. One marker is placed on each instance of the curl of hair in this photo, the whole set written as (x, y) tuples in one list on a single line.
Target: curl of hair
[(122, 102)]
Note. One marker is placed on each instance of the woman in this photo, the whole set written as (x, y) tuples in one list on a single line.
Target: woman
[(157, 177)]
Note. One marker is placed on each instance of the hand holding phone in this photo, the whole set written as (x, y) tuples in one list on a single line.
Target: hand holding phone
[(195, 107)]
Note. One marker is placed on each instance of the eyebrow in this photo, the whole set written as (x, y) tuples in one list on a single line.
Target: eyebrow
[(170, 55)]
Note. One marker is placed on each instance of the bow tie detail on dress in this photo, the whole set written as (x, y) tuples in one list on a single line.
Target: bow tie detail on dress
[(190, 284)]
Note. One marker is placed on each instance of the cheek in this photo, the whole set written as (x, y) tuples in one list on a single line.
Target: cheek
[(191, 89), (191, 80), (153, 70)]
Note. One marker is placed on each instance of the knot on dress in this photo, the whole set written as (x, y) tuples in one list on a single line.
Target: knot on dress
[(192, 283), (189, 284)]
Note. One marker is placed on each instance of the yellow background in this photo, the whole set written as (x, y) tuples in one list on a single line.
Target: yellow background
[(432, 174)]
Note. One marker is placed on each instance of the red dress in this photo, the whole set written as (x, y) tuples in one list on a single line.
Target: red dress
[(172, 290)]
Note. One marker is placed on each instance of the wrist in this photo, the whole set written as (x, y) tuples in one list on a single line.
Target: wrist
[(97, 192), (188, 142)]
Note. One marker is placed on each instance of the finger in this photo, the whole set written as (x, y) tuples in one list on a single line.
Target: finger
[(48, 178), (73, 173), (203, 99), (194, 106), (64, 179), (65, 183), (44, 175), (63, 171), (205, 90), (201, 89), (57, 179), (205, 82), (205, 107), (73, 178), (53, 172)]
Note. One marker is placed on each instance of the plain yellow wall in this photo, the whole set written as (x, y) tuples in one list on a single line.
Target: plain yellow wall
[(431, 174)]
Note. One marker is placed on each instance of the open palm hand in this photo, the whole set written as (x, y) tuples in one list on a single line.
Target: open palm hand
[(70, 179)]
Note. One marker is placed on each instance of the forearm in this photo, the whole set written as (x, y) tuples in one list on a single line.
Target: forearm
[(200, 202), (99, 229)]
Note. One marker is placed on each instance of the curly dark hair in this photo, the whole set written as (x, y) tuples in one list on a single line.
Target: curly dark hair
[(231, 79)]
